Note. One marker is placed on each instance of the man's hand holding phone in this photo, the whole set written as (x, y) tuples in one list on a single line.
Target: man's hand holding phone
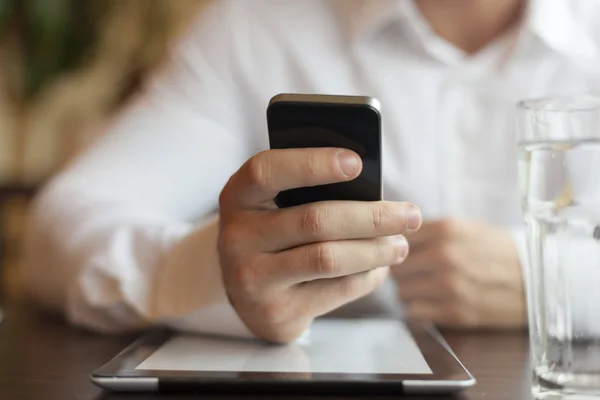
[(284, 267)]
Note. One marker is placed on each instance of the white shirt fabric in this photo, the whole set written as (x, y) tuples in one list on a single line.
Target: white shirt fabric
[(126, 236)]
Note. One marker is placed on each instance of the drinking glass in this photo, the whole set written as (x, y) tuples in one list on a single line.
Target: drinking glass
[(559, 178)]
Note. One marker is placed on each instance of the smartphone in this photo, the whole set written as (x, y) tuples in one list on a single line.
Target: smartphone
[(350, 122)]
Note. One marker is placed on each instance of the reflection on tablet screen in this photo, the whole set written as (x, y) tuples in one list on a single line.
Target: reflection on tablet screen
[(334, 346)]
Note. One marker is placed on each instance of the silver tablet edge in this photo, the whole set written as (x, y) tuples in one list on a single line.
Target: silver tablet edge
[(118, 384), (142, 384), (147, 384), (436, 387), (438, 336)]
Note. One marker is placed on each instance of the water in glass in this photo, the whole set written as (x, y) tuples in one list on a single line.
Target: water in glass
[(560, 193)]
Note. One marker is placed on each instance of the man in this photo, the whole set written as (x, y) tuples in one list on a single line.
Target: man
[(169, 219)]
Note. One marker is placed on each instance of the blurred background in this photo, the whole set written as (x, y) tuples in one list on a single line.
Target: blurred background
[(66, 68)]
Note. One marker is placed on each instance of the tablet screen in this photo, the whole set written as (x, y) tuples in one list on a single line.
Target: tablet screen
[(333, 346)]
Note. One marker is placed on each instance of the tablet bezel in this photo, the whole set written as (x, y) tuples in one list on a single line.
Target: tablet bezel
[(448, 373)]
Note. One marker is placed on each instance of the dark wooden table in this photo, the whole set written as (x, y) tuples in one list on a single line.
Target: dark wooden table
[(41, 358)]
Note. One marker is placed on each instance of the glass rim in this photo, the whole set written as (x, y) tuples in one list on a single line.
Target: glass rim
[(538, 104)]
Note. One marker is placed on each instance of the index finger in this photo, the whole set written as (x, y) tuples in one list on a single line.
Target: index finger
[(267, 173)]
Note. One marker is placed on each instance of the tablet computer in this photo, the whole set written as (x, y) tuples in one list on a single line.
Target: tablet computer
[(337, 356)]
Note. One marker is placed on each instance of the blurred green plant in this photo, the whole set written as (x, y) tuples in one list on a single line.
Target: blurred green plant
[(44, 38), (109, 44)]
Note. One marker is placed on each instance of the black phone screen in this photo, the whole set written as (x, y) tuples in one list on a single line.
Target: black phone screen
[(309, 125)]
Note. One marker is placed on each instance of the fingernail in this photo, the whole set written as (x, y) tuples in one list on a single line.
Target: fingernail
[(413, 218), (349, 163), (402, 246)]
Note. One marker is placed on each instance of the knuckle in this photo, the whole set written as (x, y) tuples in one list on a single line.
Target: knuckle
[(381, 218), (312, 168), (257, 171), (314, 222), (326, 263)]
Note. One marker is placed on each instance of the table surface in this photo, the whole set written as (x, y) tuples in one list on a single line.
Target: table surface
[(43, 358)]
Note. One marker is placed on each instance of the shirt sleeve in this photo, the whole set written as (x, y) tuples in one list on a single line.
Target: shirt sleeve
[(126, 236)]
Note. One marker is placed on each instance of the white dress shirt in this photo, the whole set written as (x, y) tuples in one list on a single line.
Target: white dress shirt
[(126, 236)]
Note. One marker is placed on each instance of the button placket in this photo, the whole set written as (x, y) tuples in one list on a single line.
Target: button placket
[(464, 136), (449, 150)]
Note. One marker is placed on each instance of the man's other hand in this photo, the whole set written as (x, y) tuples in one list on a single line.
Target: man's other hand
[(462, 273)]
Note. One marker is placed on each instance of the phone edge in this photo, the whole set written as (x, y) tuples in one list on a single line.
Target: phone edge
[(327, 99)]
